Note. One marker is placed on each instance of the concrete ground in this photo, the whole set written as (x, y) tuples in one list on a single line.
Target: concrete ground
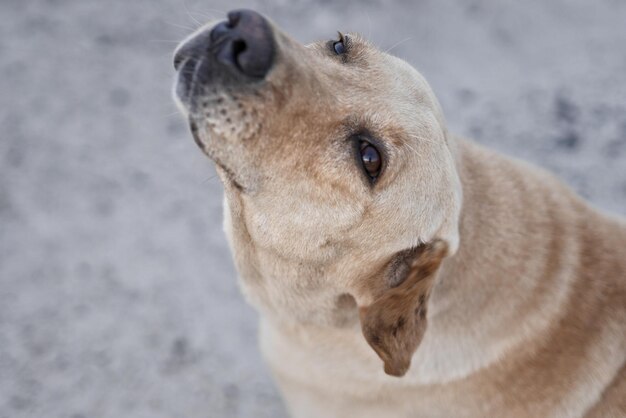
[(118, 296)]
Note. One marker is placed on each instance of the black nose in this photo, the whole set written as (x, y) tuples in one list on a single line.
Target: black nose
[(244, 44)]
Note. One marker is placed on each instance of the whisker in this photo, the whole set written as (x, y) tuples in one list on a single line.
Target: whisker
[(206, 181), (187, 28), (210, 17), (190, 15), (398, 43), (169, 41), (413, 150), (169, 115)]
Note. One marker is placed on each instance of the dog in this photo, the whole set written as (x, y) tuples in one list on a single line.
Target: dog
[(399, 270)]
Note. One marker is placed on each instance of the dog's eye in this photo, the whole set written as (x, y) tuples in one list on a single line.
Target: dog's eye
[(340, 46), (371, 159)]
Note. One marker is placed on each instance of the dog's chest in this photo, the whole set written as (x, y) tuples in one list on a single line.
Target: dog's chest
[(333, 373)]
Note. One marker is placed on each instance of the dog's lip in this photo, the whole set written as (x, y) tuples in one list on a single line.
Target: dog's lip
[(186, 83), (229, 174)]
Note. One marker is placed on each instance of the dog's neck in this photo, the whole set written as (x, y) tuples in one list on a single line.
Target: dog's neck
[(495, 294)]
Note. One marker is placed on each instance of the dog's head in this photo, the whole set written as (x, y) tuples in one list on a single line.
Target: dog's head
[(340, 179)]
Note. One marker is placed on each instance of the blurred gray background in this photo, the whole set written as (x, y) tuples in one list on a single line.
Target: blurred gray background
[(118, 296)]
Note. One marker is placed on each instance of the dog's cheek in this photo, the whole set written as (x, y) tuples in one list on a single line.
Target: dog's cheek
[(395, 323)]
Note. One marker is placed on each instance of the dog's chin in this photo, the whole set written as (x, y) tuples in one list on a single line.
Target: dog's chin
[(227, 174)]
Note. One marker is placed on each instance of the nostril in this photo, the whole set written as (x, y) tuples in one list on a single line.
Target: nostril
[(238, 47), (231, 51)]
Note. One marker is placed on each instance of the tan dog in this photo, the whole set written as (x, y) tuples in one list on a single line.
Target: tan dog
[(356, 219)]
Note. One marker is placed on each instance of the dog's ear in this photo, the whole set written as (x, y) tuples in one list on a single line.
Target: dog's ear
[(395, 322)]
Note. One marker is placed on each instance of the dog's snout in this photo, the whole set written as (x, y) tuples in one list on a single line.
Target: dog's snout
[(243, 44)]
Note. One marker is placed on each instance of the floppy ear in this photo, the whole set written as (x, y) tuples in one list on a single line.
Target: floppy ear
[(395, 322)]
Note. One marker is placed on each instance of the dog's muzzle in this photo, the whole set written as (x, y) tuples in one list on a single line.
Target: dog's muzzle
[(239, 50)]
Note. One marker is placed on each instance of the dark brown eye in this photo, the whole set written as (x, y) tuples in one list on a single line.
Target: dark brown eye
[(371, 159)]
